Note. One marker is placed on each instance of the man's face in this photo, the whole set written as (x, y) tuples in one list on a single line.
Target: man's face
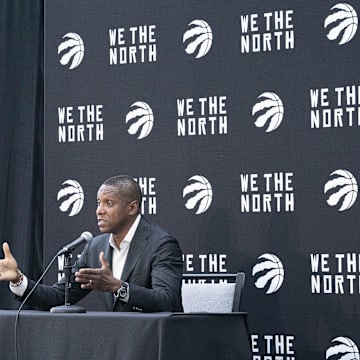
[(113, 211)]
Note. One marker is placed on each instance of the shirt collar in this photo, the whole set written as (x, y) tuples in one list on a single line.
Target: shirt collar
[(130, 234)]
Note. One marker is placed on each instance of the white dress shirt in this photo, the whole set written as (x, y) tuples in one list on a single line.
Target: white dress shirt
[(119, 255)]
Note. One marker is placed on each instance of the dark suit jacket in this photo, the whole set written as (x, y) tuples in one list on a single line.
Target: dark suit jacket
[(153, 269)]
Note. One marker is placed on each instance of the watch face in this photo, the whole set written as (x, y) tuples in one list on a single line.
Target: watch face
[(123, 291)]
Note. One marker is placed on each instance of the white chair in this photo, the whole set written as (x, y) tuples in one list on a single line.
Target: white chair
[(216, 296)]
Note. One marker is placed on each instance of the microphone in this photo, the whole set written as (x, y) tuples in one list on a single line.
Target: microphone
[(84, 237)]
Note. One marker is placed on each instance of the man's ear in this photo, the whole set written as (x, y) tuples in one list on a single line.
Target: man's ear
[(134, 207)]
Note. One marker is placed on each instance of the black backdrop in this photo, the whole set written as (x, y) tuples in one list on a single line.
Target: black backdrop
[(290, 256)]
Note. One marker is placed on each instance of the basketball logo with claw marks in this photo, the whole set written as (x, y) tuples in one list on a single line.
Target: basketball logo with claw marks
[(268, 111), (342, 23), (71, 50), (198, 38), (71, 197), (140, 120), (198, 194), (269, 273), (341, 189), (343, 349)]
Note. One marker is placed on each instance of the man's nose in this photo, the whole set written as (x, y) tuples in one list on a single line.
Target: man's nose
[(99, 210)]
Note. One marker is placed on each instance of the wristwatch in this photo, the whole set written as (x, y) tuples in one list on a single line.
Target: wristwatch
[(122, 292)]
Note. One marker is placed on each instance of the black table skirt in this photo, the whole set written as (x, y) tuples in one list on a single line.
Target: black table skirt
[(123, 336)]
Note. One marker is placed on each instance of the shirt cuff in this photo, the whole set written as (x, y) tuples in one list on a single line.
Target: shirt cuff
[(20, 289)]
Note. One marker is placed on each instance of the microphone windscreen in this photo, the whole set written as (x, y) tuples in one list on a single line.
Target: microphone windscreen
[(87, 236)]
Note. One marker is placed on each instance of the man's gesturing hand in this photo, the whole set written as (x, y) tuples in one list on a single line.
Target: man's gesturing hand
[(100, 279), (8, 265)]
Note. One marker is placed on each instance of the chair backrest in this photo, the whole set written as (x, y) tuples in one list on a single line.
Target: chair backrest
[(215, 296)]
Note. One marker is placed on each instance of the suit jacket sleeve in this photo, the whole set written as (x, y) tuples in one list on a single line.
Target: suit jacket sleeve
[(153, 269), (46, 296)]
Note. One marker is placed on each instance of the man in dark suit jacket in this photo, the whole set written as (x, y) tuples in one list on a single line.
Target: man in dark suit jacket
[(134, 265)]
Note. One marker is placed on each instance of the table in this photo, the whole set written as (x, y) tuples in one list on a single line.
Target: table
[(124, 336)]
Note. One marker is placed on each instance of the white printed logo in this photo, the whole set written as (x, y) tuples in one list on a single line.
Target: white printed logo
[(269, 272), (268, 110), (71, 50), (198, 38), (140, 120), (198, 194), (342, 189), (342, 23), (61, 260), (345, 349), (71, 197)]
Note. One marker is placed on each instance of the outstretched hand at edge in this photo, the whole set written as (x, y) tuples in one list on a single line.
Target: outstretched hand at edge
[(8, 265)]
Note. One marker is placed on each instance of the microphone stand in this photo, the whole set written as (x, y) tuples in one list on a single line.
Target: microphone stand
[(67, 308)]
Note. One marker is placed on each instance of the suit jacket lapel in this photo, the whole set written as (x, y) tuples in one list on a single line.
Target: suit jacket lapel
[(109, 298), (137, 246)]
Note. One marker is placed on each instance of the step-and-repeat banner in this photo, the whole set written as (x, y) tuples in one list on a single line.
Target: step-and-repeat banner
[(240, 120)]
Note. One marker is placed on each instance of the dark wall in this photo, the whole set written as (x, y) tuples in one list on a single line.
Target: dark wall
[(21, 145)]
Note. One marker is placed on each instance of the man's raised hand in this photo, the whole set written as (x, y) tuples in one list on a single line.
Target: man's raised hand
[(8, 265)]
